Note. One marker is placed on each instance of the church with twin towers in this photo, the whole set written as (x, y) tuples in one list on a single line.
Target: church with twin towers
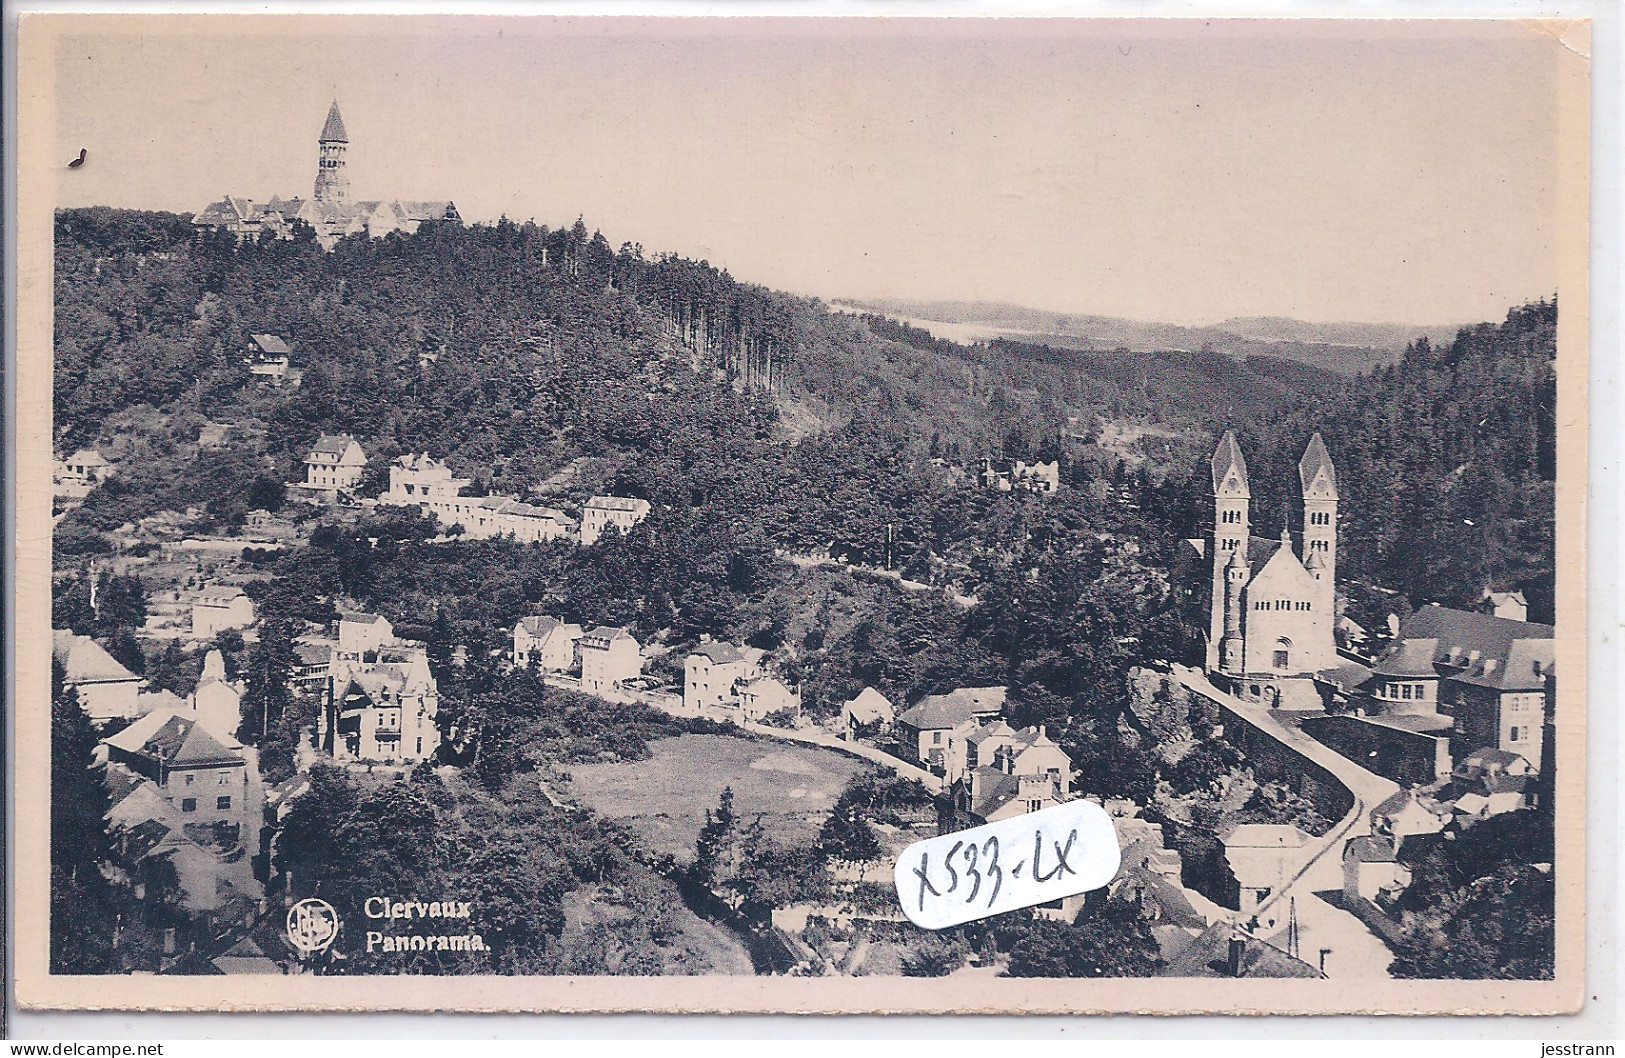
[(1270, 608)]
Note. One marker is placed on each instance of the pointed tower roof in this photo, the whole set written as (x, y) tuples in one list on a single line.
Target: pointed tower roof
[(1229, 468), (1315, 462), (333, 131)]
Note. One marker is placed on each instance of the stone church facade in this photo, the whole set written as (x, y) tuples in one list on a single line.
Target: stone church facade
[(329, 211), (1266, 608)]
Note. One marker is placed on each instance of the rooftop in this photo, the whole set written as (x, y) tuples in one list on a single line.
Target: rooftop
[(942, 711), (174, 740), (1264, 836)]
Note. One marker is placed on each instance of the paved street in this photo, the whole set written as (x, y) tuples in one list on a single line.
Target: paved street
[(1355, 950)]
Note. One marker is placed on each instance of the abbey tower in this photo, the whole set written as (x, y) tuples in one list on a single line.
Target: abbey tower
[(332, 182)]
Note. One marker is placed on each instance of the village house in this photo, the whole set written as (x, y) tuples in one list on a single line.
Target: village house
[(1371, 869), (381, 710), (1007, 772), (713, 670), (548, 643), (609, 657), (1223, 951), (936, 729), (335, 464), (602, 513), (766, 695), (1261, 856), (76, 475), (216, 703), (267, 360), (185, 809), (218, 609), (1407, 817), (1042, 478), (427, 484), (361, 633), (987, 795), (1488, 783), (869, 712), (1026, 752), (106, 689), (312, 661), (1475, 679), (1508, 605), (205, 777)]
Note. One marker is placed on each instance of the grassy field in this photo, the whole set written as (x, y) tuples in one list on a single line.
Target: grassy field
[(664, 799)]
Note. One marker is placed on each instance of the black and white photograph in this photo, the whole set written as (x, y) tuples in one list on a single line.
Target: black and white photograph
[(1011, 508)]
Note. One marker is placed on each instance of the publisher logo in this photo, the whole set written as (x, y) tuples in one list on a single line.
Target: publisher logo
[(312, 925)]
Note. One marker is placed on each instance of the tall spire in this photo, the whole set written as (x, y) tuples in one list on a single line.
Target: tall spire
[(1229, 468), (333, 131), (332, 183), (1315, 471)]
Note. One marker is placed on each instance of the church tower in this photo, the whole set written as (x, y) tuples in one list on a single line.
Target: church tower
[(1319, 480), (1231, 498), (332, 183)]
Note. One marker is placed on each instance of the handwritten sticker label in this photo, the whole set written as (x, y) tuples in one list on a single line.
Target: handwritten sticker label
[(1013, 863)]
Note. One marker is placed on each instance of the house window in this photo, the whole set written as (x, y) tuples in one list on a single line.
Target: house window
[(1516, 732), (1282, 647), (1035, 805), (936, 738), (189, 778), (224, 778), (189, 804), (1405, 692), (222, 803), (1280, 659)]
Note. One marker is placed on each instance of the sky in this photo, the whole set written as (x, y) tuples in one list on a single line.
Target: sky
[(1173, 170)]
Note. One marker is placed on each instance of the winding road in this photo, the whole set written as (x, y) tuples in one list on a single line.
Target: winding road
[(1353, 950)]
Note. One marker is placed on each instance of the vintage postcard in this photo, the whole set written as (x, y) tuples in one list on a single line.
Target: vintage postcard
[(801, 514)]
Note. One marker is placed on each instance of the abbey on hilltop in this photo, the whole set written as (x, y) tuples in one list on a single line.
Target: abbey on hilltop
[(1267, 611), (329, 210)]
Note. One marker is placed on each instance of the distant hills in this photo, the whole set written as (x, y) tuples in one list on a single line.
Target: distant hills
[(1348, 348)]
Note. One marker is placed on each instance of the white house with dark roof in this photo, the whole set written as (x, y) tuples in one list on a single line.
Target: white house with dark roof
[(609, 657), (206, 777), (937, 729), (1371, 868), (1005, 772), (713, 670), (427, 484), (267, 358), (335, 463), (187, 806), (549, 643), (602, 513)]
